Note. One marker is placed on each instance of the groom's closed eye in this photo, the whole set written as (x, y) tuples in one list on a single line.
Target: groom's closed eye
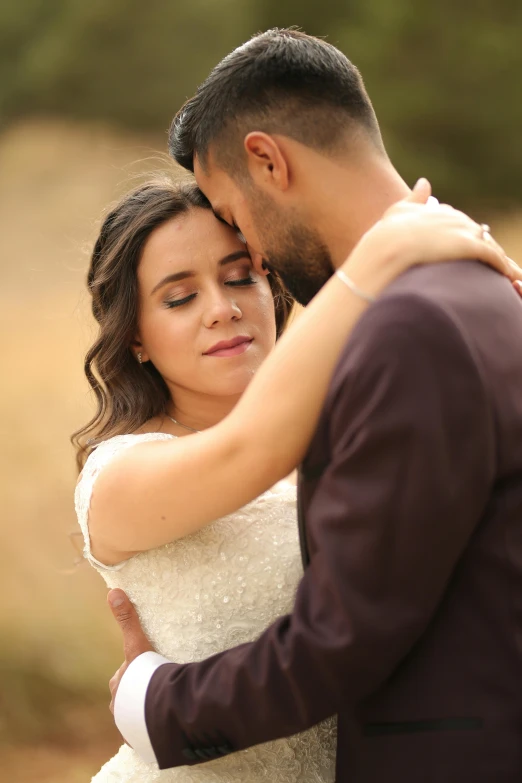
[(239, 232), (220, 216), (232, 223)]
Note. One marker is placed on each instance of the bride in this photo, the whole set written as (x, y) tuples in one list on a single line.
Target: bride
[(186, 318)]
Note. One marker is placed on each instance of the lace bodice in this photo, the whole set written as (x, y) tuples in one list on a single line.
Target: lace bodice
[(209, 591)]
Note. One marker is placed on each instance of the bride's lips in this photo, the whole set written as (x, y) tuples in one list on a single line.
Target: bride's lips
[(230, 347)]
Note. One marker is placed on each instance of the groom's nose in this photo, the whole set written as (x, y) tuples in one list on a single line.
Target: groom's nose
[(258, 261)]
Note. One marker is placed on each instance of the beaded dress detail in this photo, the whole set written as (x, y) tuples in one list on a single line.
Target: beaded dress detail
[(202, 594)]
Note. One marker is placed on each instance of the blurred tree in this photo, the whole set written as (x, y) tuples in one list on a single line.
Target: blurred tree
[(446, 86), (444, 78), (125, 61)]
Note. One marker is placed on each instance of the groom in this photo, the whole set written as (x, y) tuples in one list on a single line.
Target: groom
[(408, 621)]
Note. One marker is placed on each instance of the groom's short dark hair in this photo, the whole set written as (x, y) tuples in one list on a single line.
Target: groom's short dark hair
[(281, 82)]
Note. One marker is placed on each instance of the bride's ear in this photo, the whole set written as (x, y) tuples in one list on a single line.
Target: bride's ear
[(140, 354)]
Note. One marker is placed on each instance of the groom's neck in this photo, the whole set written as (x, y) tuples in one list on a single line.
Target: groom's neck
[(351, 198)]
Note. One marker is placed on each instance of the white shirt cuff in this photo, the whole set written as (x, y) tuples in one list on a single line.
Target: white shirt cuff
[(129, 704)]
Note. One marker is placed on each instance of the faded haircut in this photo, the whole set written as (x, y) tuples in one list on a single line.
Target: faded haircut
[(280, 82)]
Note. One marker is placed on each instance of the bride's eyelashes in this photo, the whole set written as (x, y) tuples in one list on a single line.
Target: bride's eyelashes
[(245, 281), (171, 303)]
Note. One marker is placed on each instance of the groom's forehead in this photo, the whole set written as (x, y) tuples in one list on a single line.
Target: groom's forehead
[(213, 181), (201, 170), (206, 173)]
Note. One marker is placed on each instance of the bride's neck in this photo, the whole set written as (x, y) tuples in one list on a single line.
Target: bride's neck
[(200, 411)]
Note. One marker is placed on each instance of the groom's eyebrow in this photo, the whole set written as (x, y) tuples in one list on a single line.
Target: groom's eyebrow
[(176, 276)]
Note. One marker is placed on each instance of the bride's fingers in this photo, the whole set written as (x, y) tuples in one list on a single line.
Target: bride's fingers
[(487, 237), (478, 243), (493, 255), (517, 285), (512, 270), (420, 193), (416, 198), (515, 271), (509, 267)]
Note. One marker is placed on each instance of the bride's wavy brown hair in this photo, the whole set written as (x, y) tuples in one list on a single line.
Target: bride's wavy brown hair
[(129, 394)]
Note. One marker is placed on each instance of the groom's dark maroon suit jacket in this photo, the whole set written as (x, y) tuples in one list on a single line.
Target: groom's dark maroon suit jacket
[(408, 620)]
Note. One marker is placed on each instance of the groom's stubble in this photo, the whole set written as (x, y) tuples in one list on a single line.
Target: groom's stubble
[(286, 84), (291, 247)]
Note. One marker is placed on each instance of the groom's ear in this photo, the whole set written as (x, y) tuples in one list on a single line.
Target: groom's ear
[(266, 161)]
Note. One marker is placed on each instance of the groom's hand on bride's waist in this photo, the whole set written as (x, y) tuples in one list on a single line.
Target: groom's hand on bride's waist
[(134, 640)]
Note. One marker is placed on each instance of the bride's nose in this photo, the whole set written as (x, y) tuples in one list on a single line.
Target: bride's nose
[(221, 308)]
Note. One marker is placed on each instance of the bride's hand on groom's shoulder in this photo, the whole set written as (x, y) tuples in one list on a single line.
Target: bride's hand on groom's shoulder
[(421, 230), (135, 641)]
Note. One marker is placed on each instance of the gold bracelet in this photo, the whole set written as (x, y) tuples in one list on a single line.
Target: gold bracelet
[(354, 288)]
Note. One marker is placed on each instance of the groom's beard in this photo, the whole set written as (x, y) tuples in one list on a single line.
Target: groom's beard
[(295, 251), (304, 268)]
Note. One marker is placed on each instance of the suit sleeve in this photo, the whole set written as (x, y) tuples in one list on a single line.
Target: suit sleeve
[(410, 469)]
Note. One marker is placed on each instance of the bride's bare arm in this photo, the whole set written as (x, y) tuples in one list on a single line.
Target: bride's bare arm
[(155, 492)]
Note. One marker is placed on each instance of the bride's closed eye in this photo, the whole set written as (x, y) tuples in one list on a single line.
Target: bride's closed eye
[(170, 303), (244, 281)]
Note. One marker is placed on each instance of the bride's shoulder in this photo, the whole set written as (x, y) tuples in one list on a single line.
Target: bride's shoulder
[(102, 451)]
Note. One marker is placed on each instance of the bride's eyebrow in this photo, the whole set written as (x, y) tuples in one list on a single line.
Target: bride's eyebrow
[(176, 276), (234, 257), (173, 278)]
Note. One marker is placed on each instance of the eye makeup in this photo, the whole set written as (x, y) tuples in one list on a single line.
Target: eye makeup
[(240, 282)]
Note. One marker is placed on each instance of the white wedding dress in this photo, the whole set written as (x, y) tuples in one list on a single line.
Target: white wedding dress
[(215, 589)]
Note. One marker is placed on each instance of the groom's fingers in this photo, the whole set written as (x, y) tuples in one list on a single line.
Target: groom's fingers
[(114, 683), (134, 640)]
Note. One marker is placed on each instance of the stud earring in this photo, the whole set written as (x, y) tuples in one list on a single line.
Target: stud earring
[(140, 360)]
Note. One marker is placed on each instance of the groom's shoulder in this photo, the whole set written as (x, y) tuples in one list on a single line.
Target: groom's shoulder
[(427, 309), (455, 293), (448, 282)]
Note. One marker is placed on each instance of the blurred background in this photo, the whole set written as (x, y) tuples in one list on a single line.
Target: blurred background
[(87, 92)]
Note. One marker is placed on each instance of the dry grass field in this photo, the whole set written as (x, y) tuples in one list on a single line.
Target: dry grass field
[(58, 645), (57, 641)]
